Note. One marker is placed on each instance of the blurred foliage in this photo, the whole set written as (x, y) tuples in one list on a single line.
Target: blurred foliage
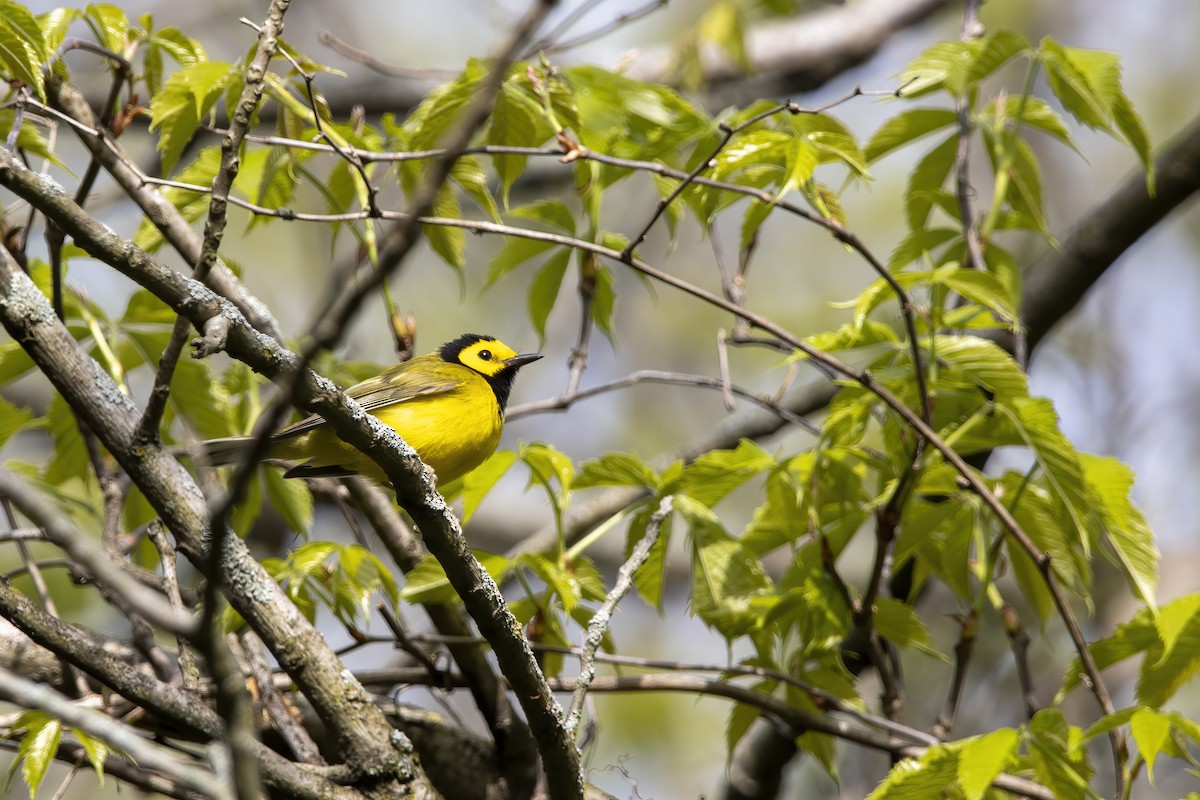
[(772, 159)]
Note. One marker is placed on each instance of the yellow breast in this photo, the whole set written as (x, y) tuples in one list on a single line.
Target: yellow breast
[(453, 432)]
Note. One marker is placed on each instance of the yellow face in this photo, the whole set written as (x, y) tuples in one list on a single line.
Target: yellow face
[(486, 356)]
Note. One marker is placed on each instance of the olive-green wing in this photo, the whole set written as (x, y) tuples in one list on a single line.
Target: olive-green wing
[(396, 385)]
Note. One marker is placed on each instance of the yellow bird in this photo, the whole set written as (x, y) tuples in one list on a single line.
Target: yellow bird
[(449, 405)]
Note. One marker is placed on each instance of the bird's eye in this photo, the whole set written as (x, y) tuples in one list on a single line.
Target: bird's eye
[(485, 355)]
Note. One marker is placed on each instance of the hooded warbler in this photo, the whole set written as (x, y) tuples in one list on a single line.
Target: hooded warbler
[(449, 405)]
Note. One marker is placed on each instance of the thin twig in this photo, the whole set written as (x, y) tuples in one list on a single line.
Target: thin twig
[(598, 625)]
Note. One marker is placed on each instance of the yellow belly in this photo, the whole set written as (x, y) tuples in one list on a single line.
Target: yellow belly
[(450, 432)]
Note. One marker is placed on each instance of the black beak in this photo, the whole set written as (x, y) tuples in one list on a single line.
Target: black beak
[(516, 362)]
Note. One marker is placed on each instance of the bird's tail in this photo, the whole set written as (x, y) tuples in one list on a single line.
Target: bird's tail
[(221, 452)]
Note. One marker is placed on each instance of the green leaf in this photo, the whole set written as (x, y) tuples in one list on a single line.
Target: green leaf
[(1081, 93), (549, 466), (986, 364), (479, 481), (924, 777), (899, 623), (447, 241), (110, 25), (14, 362), (188, 96), (516, 251), (1128, 534), (1152, 732), (918, 243), (192, 205), (906, 127), (1059, 759), (926, 180), (560, 580), (291, 499), (12, 420), (650, 576), (718, 472), (983, 758), (725, 576), (551, 213), (429, 121), (97, 752), (603, 301), (512, 124), (54, 25), (70, 459), (543, 291), (22, 46), (37, 748), (427, 583), (469, 175), (979, 287), (617, 469), (1037, 425), (201, 400)]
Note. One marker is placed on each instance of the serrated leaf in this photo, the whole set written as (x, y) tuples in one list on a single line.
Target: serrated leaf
[(1059, 761), (70, 459), (1151, 731), (917, 243), (192, 205), (906, 127), (1073, 88), (37, 748), (110, 25), (469, 175), (603, 301), (516, 251), (246, 512), (617, 469), (97, 752), (983, 758), (1128, 534), (926, 180), (543, 291), (12, 420), (202, 401), (899, 623), (291, 499), (187, 97), (549, 466), (718, 472), (479, 481), (1037, 425), (512, 124), (979, 287), (552, 213), (427, 583), (22, 46), (650, 576), (54, 25), (447, 241), (924, 777), (725, 576)]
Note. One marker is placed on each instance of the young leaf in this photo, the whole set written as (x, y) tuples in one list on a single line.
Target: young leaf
[(447, 241), (291, 499), (428, 582), (478, 482), (1151, 730), (725, 576), (37, 748), (12, 420), (905, 128), (186, 98), (543, 291), (23, 49), (1131, 538), (617, 469), (982, 760)]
